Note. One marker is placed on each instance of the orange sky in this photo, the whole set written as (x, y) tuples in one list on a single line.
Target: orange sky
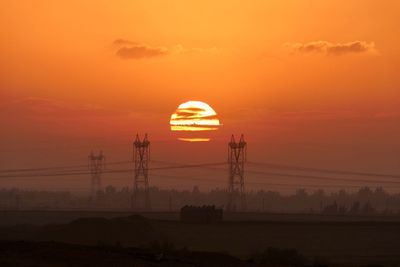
[(314, 83)]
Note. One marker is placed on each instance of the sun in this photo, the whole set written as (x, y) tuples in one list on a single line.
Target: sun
[(194, 116)]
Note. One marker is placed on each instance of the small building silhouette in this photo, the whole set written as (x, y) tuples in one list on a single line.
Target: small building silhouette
[(204, 214)]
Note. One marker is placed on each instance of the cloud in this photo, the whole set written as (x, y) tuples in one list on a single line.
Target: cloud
[(127, 49), (387, 115), (52, 117), (320, 114), (124, 42), (44, 108), (132, 50), (336, 49)]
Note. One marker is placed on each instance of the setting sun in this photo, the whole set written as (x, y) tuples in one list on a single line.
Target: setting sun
[(193, 116)]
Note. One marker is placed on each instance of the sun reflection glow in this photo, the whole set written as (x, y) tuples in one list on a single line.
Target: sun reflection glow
[(194, 139)]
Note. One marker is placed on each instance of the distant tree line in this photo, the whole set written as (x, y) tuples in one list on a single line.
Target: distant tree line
[(366, 200)]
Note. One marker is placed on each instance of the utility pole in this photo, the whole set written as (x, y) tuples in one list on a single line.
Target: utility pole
[(141, 157), (96, 164), (236, 159)]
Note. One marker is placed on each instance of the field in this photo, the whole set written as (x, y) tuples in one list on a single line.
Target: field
[(40, 217), (335, 239)]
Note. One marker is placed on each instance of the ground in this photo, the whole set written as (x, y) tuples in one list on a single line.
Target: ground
[(344, 242)]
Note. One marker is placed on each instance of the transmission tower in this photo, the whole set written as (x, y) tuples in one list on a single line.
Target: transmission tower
[(236, 159), (97, 164), (141, 157)]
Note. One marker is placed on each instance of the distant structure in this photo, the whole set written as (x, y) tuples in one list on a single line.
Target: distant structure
[(96, 164), (141, 157), (355, 209), (203, 214), (236, 159)]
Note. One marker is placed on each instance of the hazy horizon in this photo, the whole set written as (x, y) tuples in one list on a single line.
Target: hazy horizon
[(310, 84)]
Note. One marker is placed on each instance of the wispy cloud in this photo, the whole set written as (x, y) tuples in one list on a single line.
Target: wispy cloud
[(124, 42), (131, 50), (38, 107), (65, 118), (320, 114), (387, 115), (127, 49), (336, 49)]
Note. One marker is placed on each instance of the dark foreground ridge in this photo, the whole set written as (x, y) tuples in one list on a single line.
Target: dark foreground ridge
[(41, 254), (56, 254), (122, 241)]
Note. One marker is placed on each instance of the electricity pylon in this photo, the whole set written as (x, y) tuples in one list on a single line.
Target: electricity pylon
[(236, 159), (141, 157), (97, 164)]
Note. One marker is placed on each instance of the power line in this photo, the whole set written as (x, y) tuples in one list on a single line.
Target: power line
[(322, 177), (342, 172), (184, 166), (59, 167), (298, 185), (291, 175), (257, 183), (68, 173)]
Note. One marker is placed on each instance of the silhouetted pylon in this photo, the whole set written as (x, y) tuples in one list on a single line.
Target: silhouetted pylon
[(97, 164), (141, 157), (236, 159)]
